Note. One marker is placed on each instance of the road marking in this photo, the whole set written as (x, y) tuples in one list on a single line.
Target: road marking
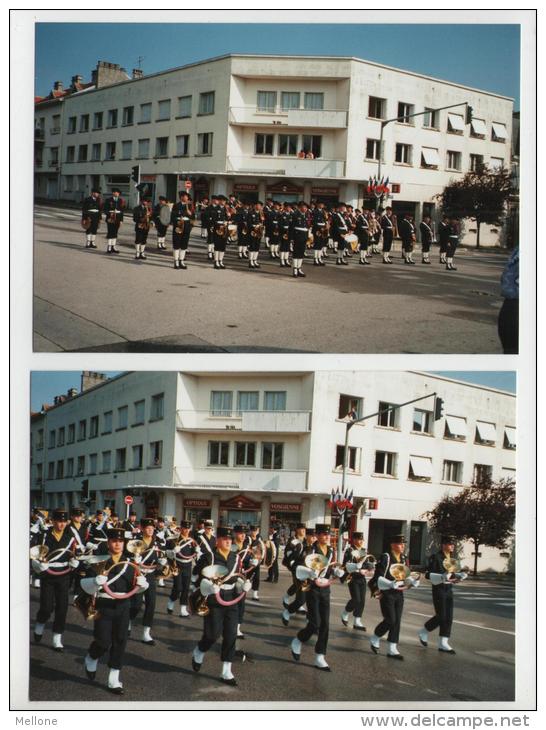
[(474, 626), (512, 604)]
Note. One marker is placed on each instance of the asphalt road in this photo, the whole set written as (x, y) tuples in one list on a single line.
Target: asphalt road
[(86, 300), (481, 671)]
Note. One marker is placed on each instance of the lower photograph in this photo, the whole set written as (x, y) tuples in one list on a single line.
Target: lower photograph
[(272, 537)]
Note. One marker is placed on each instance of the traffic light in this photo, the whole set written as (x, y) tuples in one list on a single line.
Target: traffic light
[(438, 408), (85, 488), (135, 174), (468, 114)]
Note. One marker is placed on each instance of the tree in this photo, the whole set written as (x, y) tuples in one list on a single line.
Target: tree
[(483, 513), (482, 195)]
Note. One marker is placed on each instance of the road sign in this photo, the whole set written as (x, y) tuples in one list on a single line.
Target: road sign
[(128, 499), (187, 184)]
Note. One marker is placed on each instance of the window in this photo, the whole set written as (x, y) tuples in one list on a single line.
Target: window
[(68, 183), (455, 428), (476, 163), (54, 159), (107, 422), (126, 149), (509, 438), (143, 149), (290, 100), (422, 421), (455, 123), (97, 120), (372, 149), (163, 110), (184, 106), (430, 158), (385, 463), (483, 474), (377, 107), (350, 407), (420, 468), (110, 151), (288, 144), (71, 433), (51, 444), (275, 400), (128, 115), (312, 143), (72, 121), (403, 154), (51, 470), (70, 467), (263, 144), (478, 128), (486, 433), (70, 154), (40, 439), (122, 417), (496, 163), (120, 459), (92, 464), (145, 113), (95, 152), (93, 427), (56, 120), (81, 466), (404, 111), (182, 145), (137, 456), (161, 146), (312, 100), (106, 461), (84, 123), (156, 453), (156, 410), (272, 455), (453, 160), (204, 143), (431, 119), (39, 473), (388, 415), (221, 402), (112, 117), (245, 453), (266, 101), (353, 460), (498, 132), (247, 400), (82, 430), (206, 103), (453, 471), (218, 453), (139, 412)]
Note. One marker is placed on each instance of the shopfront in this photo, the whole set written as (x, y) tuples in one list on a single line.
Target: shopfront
[(287, 514), (196, 509), (239, 510), (285, 192), (327, 195), (247, 192)]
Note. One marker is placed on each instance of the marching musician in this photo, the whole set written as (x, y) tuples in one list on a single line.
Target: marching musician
[(443, 237), (440, 572), (285, 218), (219, 219), (255, 224), (113, 213), (319, 228), (206, 540), (339, 231), (181, 216), (201, 208), (407, 234), (274, 235), (387, 226), (452, 242), (97, 530), (427, 237), (241, 220), (362, 229), (391, 592), (222, 617), (356, 575), (256, 542), (142, 216), (210, 214), (375, 232), (318, 599), (160, 227), (112, 592), (296, 549), (299, 233), (241, 545), (91, 216), (55, 577), (183, 550), (79, 532), (131, 527)]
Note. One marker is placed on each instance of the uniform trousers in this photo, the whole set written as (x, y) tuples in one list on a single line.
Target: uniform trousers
[(110, 631), (442, 598), (241, 610), (273, 572), (220, 621), (275, 237), (95, 220), (112, 230), (53, 597), (160, 228), (253, 243), (340, 240), (149, 597), (357, 589), (181, 240), (141, 236), (256, 579), (508, 326), (387, 239), (318, 618), (181, 584), (318, 241), (451, 247), (300, 243), (285, 242), (392, 605), (443, 246), (363, 240), (425, 246), (299, 599), (220, 242), (407, 245)]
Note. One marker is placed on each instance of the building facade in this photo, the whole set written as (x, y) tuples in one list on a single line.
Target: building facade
[(241, 123), (253, 447)]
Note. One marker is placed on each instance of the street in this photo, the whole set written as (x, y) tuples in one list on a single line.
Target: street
[(482, 670), (86, 300)]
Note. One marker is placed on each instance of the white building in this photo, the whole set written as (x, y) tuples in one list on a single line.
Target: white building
[(252, 446), (236, 123)]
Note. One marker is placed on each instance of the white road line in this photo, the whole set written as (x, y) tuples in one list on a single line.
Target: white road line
[(474, 626), (479, 598), (512, 605)]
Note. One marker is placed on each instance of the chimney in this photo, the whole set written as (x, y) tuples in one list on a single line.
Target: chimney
[(138, 73), (107, 74), (91, 379), (76, 80), (58, 86)]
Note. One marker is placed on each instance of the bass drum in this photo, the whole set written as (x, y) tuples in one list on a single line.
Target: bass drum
[(165, 214), (352, 241)]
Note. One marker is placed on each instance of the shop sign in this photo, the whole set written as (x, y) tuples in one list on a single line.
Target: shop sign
[(245, 188), (148, 178), (240, 502), (284, 507), (324, 191), (197, 503), (287, 187)]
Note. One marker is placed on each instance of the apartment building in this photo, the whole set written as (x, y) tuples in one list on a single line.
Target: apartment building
[(255, 446), (238, 123)]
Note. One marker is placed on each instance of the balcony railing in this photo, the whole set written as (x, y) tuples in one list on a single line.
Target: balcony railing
[(290, 166), (54, 163), (248, 421), (267, 480), (316, 118)]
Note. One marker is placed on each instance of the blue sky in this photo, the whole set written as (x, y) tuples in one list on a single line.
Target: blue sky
[(483, 56)]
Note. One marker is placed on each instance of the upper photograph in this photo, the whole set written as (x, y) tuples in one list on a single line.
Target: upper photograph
[(346, 189)]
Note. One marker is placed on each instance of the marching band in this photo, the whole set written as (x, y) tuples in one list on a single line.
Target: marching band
[(115, 567)]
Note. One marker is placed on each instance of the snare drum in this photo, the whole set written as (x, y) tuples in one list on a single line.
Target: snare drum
[(352, 241), (232, 231)]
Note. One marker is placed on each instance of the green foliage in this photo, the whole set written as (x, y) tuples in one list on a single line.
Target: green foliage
[(481, 195)]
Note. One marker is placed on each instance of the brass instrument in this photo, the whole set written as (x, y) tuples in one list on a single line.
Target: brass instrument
[(85, 602), (43, 554), (215, 573), (145, 220), (85, 223), (270, 554), (318, 563), (220, 230), (362, 558), (310, 240), (257, 231), (452, 565), (135, 547), (179, 228)]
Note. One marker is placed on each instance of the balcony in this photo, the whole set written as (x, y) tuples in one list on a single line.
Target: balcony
[(266, 480), (54, 163), (247, 421), (39, 134), (290, 166), (312, 118)]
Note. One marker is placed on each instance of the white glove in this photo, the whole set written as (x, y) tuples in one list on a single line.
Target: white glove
[(100, 580), (141, 581), (207, 587), (461, 576), (128, 534), (73, 562), (39, 567), (339, 572), (398, 585), (351, 567), (411, 582), (162, 561), (254, 561), (247, 585), (91, 546), (384, 584), (437, 578), (137, 559), (304, 573), (170, 554)]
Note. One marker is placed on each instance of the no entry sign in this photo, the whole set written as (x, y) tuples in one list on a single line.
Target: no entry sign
[(128, 499)]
